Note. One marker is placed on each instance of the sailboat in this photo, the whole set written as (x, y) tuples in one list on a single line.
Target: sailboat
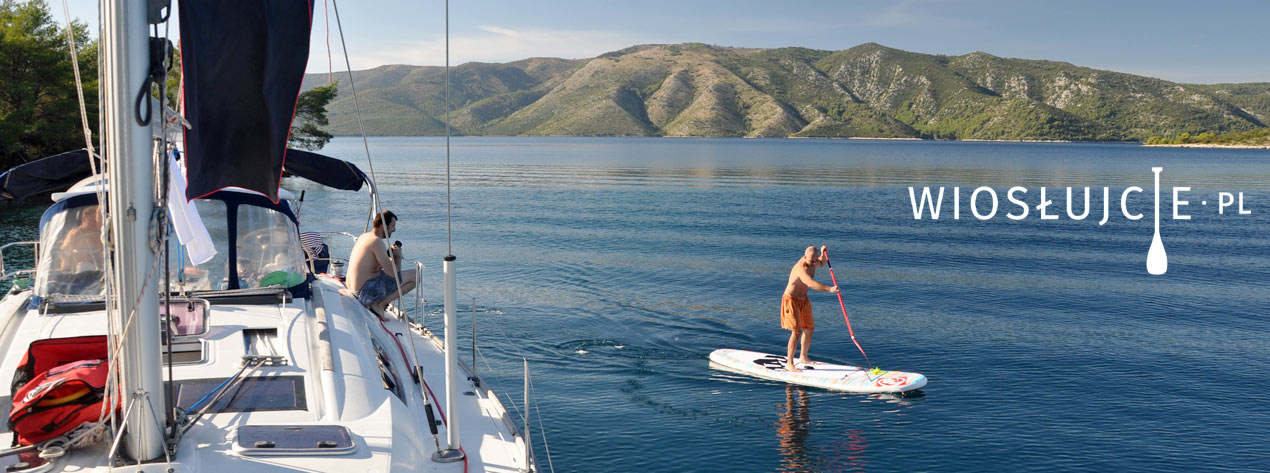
[(125, 349)]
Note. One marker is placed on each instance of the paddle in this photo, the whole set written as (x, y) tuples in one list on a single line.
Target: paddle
[(844, 307)]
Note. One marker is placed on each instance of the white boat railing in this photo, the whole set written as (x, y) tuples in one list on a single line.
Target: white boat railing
[(420, 302), (529, 442), (335, 266), (528, 399), (5, 273)]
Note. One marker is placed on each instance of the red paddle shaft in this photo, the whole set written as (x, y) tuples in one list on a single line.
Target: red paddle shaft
[(844, 309)]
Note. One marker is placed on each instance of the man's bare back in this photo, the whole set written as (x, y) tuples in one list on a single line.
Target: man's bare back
[(369, 258), (374, 268)]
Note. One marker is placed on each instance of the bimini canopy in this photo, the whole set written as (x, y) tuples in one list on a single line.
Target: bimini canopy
[(60, 171), (50, 174)]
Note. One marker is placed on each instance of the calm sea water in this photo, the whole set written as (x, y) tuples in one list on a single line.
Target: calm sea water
[(615, 266)]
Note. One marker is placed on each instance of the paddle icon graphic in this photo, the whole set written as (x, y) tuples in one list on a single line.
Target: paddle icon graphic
[(1157, 259)]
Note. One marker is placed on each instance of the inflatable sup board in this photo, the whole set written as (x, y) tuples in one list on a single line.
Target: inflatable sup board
[(820, 375)]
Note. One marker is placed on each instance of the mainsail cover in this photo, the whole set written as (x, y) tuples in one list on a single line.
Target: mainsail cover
[(242, 63)]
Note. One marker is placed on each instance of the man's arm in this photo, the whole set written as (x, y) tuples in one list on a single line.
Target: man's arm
[(380, 250), (396, 256), (805, 276)]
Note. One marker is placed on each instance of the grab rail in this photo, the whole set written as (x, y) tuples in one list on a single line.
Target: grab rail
[(335, 266), (35, 247)]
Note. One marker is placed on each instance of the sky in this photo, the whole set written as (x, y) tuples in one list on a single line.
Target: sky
[(1192, 42)]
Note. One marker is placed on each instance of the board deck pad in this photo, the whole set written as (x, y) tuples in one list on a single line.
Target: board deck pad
[(821, 375)]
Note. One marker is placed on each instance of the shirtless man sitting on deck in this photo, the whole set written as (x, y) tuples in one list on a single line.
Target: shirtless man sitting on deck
[(373, 266), (796, 309)]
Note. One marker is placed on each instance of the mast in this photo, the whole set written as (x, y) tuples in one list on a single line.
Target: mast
[(125, 61)]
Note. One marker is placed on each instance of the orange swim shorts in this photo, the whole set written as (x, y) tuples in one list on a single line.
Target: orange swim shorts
[(796, 314)]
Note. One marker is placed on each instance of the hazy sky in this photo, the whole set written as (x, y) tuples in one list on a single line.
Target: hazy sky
[(1200, 42)]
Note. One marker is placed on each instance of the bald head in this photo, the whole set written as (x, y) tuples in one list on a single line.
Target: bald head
[(810, 259)]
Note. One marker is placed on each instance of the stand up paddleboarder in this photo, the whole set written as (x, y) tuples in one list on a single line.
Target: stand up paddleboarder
[(796, 309)]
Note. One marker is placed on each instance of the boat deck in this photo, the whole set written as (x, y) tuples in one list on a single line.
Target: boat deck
[(389, 429)]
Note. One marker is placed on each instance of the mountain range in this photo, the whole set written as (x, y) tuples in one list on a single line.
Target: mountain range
[(869, 90)]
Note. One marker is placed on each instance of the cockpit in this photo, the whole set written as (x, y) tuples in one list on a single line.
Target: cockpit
[(266, 250)]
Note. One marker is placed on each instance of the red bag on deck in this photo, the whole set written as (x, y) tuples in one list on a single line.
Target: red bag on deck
[(45, 354), (59, 398)]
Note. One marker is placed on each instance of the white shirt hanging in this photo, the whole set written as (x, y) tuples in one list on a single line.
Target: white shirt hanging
[(185, 218)]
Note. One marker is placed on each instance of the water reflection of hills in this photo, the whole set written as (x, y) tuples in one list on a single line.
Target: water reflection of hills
[(605, 162), (573, 176), (540, 176)]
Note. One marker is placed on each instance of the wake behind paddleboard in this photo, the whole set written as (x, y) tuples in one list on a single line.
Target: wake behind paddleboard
[(821, 375)]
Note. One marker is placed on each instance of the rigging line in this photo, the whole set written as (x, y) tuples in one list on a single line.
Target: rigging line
[(449, 250), (416, 368), (326, 13), (374, 187), (115, 377), (114, 351), (237, 380), (83, 117), (508, 339), (516, 408), (542, 431), (167, 456), (446, 423), (79, 87), (169, 401), (490, 369), (88, 144)]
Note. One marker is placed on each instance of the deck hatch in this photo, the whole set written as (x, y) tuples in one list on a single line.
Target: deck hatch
[(252, 394), (293, 440)]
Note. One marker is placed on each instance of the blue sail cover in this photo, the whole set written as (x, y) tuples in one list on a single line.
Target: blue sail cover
[(242, 63)]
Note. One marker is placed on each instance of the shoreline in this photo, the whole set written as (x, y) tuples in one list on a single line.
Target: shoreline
[(969, 140), (1207, 145), (743, 138), (1033, 141)]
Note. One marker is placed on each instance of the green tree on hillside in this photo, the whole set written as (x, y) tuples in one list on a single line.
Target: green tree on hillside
[(310, 117), (39, 111), (1253, 137)]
